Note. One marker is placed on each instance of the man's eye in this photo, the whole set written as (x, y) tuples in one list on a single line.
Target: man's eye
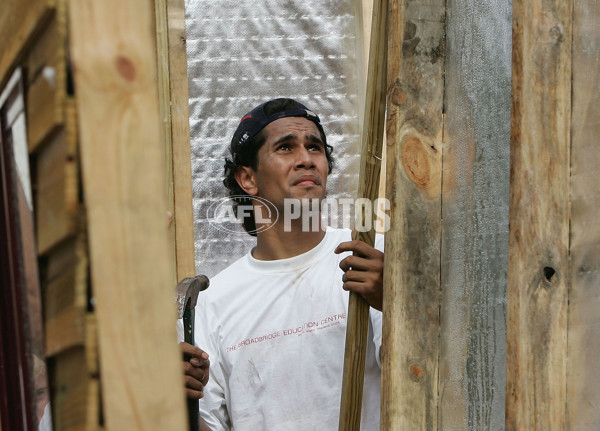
[(315, 147), (283, 147)]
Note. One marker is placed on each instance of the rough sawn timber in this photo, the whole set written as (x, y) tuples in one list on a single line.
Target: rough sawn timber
[(410, 347), (539, 216)]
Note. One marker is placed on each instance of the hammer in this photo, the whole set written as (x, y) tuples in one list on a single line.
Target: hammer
[(186, 296)]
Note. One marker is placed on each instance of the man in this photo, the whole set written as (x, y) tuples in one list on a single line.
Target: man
[(274, 322)]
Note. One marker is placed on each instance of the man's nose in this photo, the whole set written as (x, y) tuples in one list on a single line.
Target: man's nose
[(304, 159)]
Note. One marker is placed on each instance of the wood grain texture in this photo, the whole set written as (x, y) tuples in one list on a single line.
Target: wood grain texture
[(65, 292), (47, 70), (131, 260), (57, 186), (475, 195), (410, 347), (370, 166), (164, 97), (583, 364), (180, 138), (539, 216), (19, 22), (70, 384)]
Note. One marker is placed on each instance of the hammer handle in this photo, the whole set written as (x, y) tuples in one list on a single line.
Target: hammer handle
[(188, 331)]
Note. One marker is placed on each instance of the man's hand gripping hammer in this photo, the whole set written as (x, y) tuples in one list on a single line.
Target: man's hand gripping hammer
[(186, 296)]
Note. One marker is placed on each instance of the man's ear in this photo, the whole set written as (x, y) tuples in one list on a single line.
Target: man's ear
[(246, 178)]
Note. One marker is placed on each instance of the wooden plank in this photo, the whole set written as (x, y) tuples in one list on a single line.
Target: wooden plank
[(19, 22), (123, 166), (69, 382), (474, 255), (46, 96), (370, 167), (93, 369), (410, 347), (65, 292), (57, 186), (173, 94), (539, 216), (583, 366), (164, 96), (180, 138)]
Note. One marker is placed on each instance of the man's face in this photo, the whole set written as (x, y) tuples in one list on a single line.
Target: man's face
[(291, 163)]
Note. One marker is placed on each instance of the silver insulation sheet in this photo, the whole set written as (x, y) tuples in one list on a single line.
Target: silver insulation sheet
[(241, 54)]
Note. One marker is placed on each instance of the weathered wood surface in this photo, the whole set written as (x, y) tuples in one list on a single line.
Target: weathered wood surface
[(474, 255), (19, 21), (410, 345), (583, 370), (123, 166), (57, 186), (180, 139), (539, 216), (368, 187)]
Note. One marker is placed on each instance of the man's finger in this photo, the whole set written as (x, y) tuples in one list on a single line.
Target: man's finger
[(194, 395), (361, 264), (193, 351), (354, 276), (193, 384), (357, 247)]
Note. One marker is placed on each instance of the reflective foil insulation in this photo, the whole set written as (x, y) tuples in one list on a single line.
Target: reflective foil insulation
[(241, 54)]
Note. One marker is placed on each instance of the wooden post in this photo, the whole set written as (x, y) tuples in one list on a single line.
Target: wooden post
[(583, 362), (539, 216), (411, 306), (474, 249), (372, 142), (123, 166), (174, 108)]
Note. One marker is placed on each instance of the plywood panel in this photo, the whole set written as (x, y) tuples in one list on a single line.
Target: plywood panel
[(539, 216), (583, 370), (123, 167), (412, 271), (475, 215)]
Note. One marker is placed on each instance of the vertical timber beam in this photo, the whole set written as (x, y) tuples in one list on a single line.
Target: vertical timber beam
[(539, 216), (174, 108), (410, 347), (476, 171), (583, 370), (123, 166), (180, 138)]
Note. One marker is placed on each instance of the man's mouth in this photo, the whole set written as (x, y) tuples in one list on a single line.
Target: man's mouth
[(307, 180)]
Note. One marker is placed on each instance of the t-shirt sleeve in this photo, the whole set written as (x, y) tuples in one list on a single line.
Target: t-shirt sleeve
[(213, 406)]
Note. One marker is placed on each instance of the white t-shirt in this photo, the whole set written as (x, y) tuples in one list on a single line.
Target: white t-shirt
[(275, 333)]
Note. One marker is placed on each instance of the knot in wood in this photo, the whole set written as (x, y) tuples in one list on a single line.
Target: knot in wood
[(415, 160), (397, 94), (416, 372), (556, 34), (125, 67)]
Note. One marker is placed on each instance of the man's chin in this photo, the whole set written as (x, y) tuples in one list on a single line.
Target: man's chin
[(315, 192)]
